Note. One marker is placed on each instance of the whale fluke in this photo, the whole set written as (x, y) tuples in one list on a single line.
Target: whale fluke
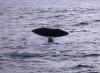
[(50, 33)]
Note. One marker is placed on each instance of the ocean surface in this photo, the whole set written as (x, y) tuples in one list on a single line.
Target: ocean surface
[(22, 51)]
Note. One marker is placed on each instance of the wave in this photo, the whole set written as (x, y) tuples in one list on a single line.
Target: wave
[(24, 55), (82, 66)]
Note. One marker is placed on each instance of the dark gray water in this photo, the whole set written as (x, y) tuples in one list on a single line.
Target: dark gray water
[(22, 51)]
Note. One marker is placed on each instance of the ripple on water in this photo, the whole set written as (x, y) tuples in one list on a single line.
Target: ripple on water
[(24, 55), (0, 56), (1, 68), (91, 55), (82, 24), (97, 20), (14, 47), (93, 72), (1, 13), (79, 66), (20, 47)]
